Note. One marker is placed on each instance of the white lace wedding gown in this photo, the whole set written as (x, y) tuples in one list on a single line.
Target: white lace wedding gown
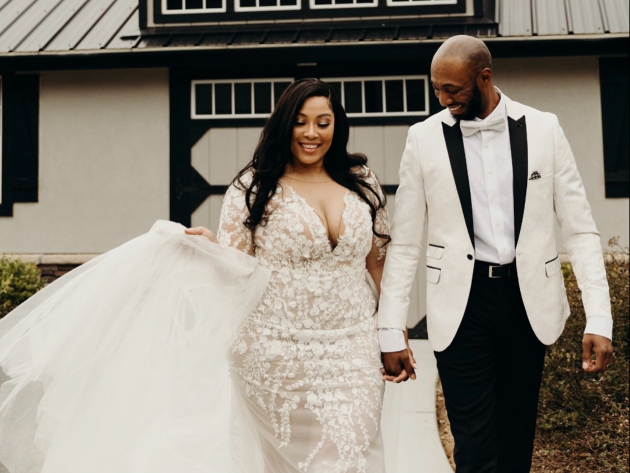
[(120, 366), (307, 360)]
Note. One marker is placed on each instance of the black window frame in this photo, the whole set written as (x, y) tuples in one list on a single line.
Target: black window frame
[(20, 140), (613, 78), (364, 116), (234, 115), (295, 6), (383, 80), (304, 12)]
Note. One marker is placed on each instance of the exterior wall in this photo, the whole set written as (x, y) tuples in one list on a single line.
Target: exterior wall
[(569, 87), (222, 152), (104, 162)]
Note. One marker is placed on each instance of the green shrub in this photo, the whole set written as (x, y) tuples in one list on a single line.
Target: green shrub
[(18, 282), (583, 418)]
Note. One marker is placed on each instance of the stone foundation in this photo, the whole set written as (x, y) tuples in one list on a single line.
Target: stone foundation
[(51, 272), (53, 266)]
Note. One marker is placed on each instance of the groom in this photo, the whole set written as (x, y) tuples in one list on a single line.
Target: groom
[(490, 176)]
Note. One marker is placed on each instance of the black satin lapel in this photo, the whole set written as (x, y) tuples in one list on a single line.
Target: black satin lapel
[(457, 156), (518, 146)]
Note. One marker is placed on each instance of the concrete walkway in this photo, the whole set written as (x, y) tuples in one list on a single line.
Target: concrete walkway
[(419, 447)]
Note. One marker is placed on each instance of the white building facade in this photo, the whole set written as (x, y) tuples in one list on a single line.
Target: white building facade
[(147, 109)]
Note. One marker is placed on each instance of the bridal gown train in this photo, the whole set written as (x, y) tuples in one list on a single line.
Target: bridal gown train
[(120, 366)]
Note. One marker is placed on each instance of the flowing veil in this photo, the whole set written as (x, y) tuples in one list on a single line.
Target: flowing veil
[(120, 367)]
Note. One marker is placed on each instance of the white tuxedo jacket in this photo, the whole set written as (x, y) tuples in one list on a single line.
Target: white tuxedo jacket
[(434, 189)]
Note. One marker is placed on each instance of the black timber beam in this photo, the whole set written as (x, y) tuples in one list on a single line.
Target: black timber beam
[(297, 53)]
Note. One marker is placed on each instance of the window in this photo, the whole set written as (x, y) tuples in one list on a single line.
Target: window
[(321, 4), (1, 112), (20, 140), (265, 5), (175, 7), (164, 12), (236, 98), (394, 96), (409, 3), (613, 76), (383, 96)]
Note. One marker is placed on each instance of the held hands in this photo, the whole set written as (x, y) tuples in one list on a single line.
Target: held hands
[(603, 353), (399, 365), (203, 231)]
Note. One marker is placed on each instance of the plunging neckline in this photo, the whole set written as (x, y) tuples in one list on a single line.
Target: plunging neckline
[(321, 222)]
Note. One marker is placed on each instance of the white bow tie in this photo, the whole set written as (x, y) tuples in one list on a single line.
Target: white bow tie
[(470, 127)]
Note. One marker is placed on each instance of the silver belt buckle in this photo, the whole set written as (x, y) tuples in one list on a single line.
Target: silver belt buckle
[(490, 268)]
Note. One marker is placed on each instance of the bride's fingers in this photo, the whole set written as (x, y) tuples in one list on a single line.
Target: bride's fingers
[(387, 377), (194, 231), (403, 376), (412, 359), (203, 231)]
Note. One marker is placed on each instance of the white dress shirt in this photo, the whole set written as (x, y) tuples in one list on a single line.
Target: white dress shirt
[(489, 164)]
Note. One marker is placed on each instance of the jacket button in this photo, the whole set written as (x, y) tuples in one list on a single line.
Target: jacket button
[(470, 257)]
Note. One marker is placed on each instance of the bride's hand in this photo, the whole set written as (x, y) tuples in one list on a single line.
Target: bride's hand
[(409, 351), (203, 231)]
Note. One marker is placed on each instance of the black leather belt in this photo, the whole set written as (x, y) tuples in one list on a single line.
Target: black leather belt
[(494, 271)]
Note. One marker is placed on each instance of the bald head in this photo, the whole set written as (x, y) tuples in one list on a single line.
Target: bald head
[(471, 52), (461, 76)]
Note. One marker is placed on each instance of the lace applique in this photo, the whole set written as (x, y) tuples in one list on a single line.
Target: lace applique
[(307, 359)]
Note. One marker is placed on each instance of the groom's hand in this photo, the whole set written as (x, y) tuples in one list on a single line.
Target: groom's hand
[(603, 353), (398, 366)]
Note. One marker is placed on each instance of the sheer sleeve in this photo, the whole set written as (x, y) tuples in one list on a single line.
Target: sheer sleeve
[(232, 230), (376, 257)]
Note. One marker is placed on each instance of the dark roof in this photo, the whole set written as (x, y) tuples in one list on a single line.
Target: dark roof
[(53, 26)]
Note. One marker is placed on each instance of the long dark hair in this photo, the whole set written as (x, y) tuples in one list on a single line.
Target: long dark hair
[(273, 153)]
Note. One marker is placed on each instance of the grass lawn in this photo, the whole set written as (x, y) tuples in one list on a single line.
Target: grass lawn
[(583, 419)]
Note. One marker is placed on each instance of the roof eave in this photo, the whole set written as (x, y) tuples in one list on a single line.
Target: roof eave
[(513, 46)]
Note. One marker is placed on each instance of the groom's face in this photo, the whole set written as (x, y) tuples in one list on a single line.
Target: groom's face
[(456, 88)]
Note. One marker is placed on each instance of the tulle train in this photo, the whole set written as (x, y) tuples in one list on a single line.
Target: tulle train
[(119, 366)]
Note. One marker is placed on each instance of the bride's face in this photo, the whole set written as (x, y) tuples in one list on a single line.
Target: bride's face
[(313, 132)]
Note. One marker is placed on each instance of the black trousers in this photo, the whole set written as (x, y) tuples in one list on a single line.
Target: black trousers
[(491, 375)]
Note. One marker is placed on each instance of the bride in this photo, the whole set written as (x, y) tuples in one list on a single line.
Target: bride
[(119, 366)]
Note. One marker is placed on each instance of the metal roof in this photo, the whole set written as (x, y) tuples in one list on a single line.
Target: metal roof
[(52, 26), (561, 17), (65, 25)]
